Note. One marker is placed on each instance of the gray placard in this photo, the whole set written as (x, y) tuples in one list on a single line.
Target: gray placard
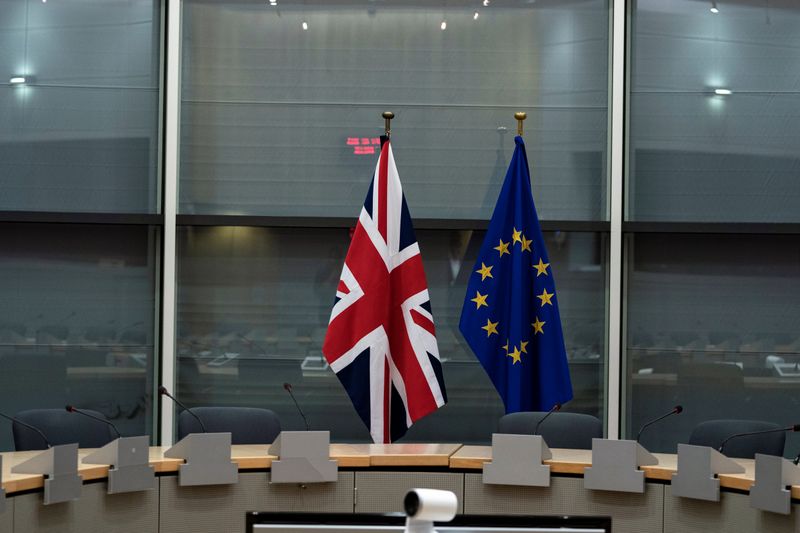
[(517, 460), (207, 459), (615, 466), (59, 465), (698, 467), (303, 457), (774, 476), (129, 461)]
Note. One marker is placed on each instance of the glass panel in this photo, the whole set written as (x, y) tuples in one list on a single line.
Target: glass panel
[(281, 121), (713, 324), (76, 321), (254, 303), (696, 155), (81, 134)]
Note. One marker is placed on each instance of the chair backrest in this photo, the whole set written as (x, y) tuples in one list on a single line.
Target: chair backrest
[(247, 425), (561, 430), (60, 427), (713, 432)]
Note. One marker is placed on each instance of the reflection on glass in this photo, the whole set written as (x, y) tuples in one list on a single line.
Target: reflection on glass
[(280, 121), (76, 321), (712, 325), (81, 132), (715, 109), (254, 303)]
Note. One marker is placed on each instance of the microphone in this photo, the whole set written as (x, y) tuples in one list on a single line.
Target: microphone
[(556, 407), (678, 409), (162, 390), (288, 387), (73, 409), (37, 430), (795, 427)]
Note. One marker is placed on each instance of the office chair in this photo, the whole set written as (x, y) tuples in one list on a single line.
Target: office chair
[(60, 427), (247, 425), (561, 430), (713, 432)]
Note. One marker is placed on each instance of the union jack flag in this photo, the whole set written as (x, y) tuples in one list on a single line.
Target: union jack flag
[(381, 341)]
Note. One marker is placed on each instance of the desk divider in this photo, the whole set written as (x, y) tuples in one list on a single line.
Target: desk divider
[(773, 475), (208, 459), (615, 466), (59, 465), (303, 457), (698, 467), (517, 460), (129, 464)]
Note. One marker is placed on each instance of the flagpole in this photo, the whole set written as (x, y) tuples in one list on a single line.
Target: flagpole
[(520, 116), (388, 116)]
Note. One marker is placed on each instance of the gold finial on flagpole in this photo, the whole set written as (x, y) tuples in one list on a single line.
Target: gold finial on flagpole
[(388, 116), (520, 116)]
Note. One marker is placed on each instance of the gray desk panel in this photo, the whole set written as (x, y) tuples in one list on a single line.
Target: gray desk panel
[(634, 513), (383, 492), (732, 514), (218, 508), (7, 517), (135, 512)]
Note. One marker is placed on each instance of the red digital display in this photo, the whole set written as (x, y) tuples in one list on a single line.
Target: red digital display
[(363, 145)]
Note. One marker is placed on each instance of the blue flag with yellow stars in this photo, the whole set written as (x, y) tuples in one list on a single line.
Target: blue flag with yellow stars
[(510, 315)]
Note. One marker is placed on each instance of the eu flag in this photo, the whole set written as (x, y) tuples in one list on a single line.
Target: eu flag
[(510, 315)]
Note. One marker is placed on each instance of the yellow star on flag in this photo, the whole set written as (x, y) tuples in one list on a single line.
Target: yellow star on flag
[(526, 244), (541, 268), (523, 345), (515, 355), (516, 236), (545, 297), (505, 347), (538, 326), (484, 271), (480, 299), (490, 327), (502, 248)]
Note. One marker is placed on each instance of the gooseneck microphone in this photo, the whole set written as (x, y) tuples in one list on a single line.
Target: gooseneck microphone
[(556, 407), (73, 409), (678, 409), (162, 390), (34, 428), (288, 387), (795, 427)]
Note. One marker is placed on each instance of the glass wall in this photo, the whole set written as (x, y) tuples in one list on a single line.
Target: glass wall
[(254, 304), (714, 112), (711, 312), (79, 105), (76, 321), (280, 123), (278, 120), (80, 188)]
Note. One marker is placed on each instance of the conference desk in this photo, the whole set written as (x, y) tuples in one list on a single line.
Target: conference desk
[(373, 479)]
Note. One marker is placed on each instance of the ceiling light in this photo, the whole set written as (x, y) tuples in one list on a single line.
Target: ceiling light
[(486, 3), (714, 8), (475, 16), (443, 25), (723, 92), (305, 25), (17, 80)]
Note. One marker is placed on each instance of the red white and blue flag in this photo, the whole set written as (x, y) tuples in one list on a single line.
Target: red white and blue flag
[(381, 341)]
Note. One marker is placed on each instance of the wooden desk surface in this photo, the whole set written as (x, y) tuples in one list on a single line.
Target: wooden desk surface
[(456, 456)]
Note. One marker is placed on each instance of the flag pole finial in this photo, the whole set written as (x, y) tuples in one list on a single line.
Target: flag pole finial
[(520, 116), (387, 117)]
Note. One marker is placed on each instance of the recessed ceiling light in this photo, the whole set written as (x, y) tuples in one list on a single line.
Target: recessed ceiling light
[(17, 80), (723, 92)]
